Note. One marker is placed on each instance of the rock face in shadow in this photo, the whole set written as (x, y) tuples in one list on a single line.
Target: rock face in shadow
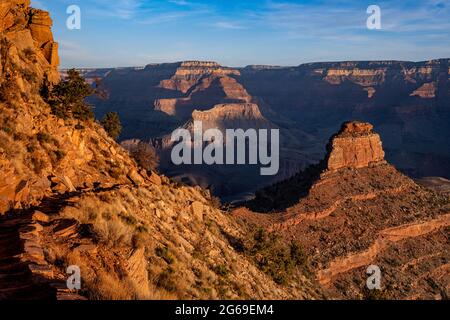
[(408, 102)]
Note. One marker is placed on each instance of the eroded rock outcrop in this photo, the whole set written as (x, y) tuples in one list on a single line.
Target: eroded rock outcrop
[(349, 213), (426, 91), (29, 32), (202, 85), (190, 72), (355, 146), (40, 153)]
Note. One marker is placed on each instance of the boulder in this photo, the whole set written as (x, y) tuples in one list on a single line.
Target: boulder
[(41, 26), (136, 267), (40, 217), (197, 210), (135, 177), (155, 179)]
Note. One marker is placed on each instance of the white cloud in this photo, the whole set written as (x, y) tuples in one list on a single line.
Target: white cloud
[(180, 2), (228, 25)]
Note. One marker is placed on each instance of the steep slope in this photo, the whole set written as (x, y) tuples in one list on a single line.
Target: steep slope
[(39, 152), (212, 94), (70, 196), (205, 83), (407, 101), (354, 210)]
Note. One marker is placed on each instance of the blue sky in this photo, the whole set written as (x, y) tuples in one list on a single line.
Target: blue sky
[(238, 33)]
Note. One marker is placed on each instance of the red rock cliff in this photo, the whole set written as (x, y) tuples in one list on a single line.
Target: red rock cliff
[(355, 146)]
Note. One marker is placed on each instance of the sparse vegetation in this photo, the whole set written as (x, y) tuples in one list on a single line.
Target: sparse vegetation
[(38, 164), (276, 258), (30, 54), (166, 280), (44, 137), (111, 124), (8, 91), (221, 270), (164, 253), (8, 130), (145, 156), (375, 294), (67, 99), (216, 203)]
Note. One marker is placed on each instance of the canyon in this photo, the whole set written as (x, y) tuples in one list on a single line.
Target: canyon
[(70, 195), (408, 102)]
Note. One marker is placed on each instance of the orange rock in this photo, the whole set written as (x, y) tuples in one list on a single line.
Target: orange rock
[(40, 217), (155, 179), (135, 177), (197, 210), (41, 26), (355, 146)]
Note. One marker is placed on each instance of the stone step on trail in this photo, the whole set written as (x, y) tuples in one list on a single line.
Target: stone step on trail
[(17, 281)]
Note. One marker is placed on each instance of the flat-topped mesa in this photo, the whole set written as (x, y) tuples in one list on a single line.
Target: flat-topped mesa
[(199, 64), (232, 111), (189, 68), (355, 146), (189, 73)]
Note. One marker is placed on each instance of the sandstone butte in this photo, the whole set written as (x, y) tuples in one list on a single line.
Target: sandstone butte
[(353, 210), (355, 146)]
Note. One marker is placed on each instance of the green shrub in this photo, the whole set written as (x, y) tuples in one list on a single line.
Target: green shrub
[(376, 294), (44, 137), (221, 270), (164, 253), (114, 173), (67, 99), (111, 124), (275, 258), (129, 220), (165, 280)]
